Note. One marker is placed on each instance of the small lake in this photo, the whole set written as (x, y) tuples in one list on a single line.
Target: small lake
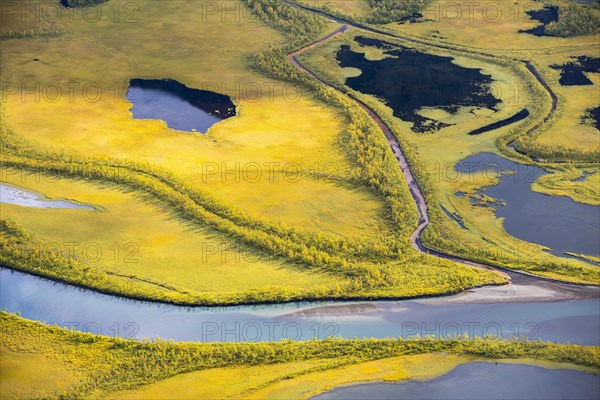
[(481, 380), (544, 15), (576, 321), (181, 107), (557, 222), (573, 73), (10, 194), (408, 80)]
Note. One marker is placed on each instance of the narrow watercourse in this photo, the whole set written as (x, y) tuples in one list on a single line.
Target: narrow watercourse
[(413, 185), (528, 65), (520, 291)]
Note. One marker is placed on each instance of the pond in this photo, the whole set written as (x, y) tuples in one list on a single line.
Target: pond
[(412, 18), (545, 16), (181, 107), (573, 73), (10, 194), (575, 321), (557, 222), (592, 117), (499, 124), (408, 81), (481, 380)]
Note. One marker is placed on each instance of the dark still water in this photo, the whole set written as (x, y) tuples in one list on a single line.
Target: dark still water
[(511, 120), (545, 16), (481, 380), (557, 222), (408, 80), (592, 117), (573, 73), (181, 107)]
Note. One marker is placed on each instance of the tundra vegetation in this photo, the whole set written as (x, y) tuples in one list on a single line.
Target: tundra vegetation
[(575, 20), (340, 229), (81, 365), (343, 221), (433, 156)]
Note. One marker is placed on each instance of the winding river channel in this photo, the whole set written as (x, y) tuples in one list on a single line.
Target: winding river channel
[(530, 307), (532, 310)]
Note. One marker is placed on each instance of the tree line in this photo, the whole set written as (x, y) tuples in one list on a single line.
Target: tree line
[(575, 20), (386, 11)]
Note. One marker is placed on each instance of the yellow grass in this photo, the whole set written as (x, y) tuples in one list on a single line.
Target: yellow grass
[(567, 130), (278, 126), (421, 367), (109, 368), (131, 236), (26, 375), (265, 382), (356, 8), (439, 152), (561, 183), (488, 25), (219, 383)]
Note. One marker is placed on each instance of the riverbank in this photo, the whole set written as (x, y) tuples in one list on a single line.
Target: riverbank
[(532, 312), (96, 366), (434, 244)]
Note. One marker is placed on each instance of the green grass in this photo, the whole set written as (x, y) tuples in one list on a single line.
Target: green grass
[(575, 20)]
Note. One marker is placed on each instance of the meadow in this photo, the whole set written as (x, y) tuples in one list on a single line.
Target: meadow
[(298, 197), (92, 366), (566, 139), (490, 26), (259, 138), (133, 246), (433, 157), (342, 208), (357, 10)]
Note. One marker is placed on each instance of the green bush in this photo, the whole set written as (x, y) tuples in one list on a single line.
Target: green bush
[(575, 20)]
